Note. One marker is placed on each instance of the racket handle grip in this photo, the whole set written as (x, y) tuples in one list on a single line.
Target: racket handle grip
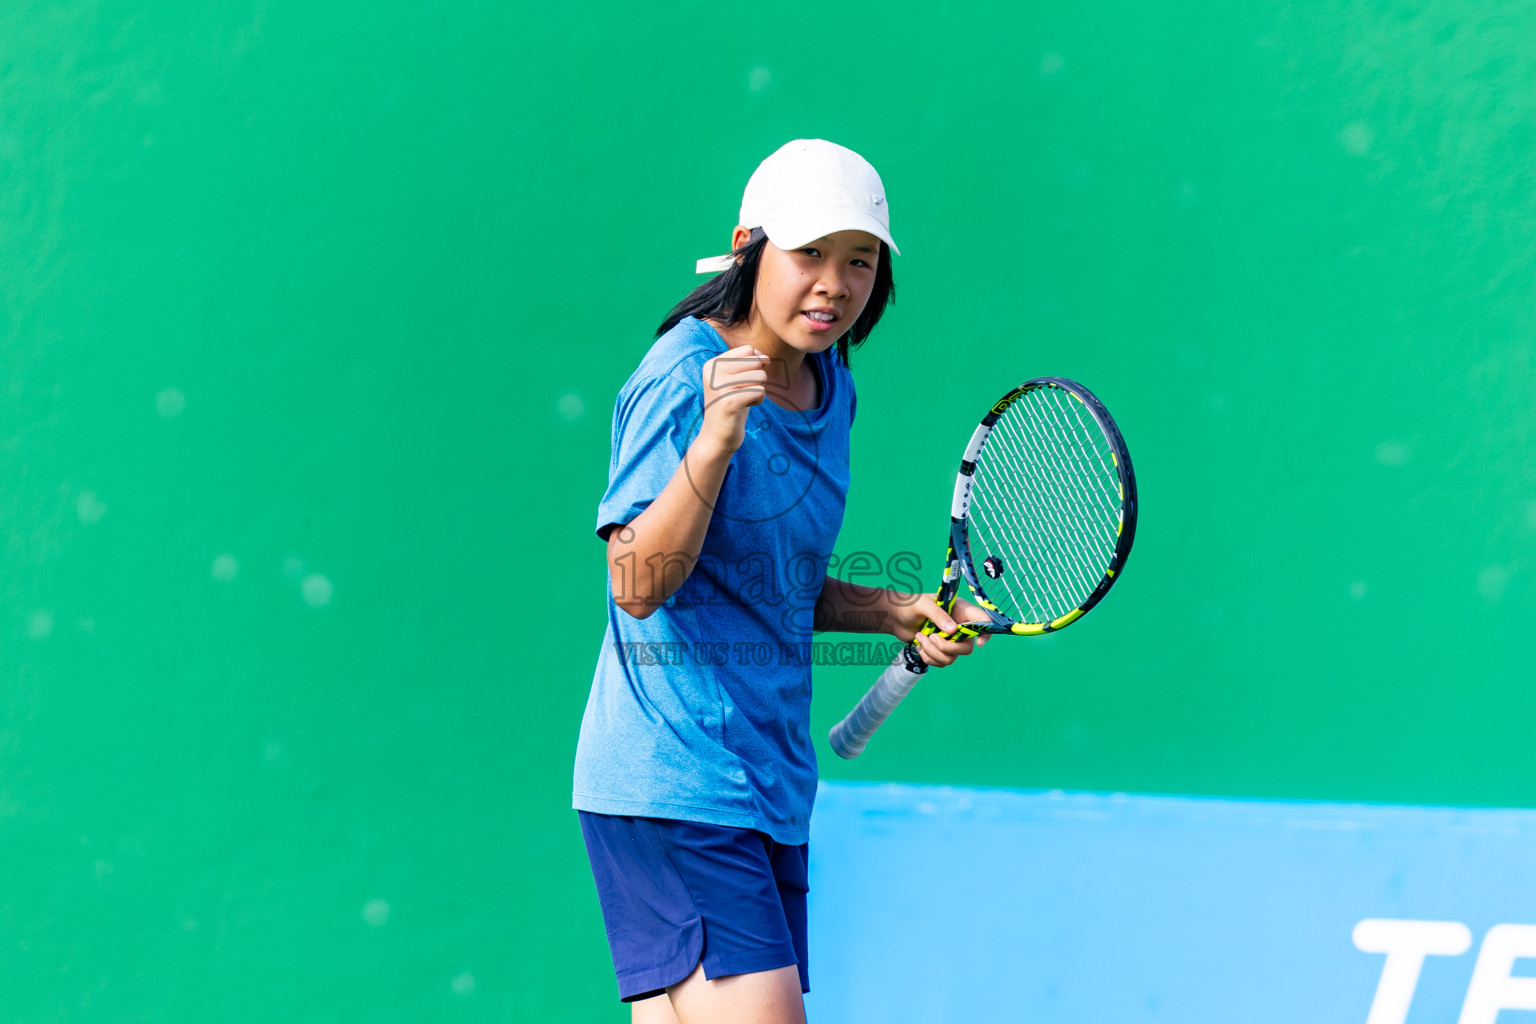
[(850, 736)]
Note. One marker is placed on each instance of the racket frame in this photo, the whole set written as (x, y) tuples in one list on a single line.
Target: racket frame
[(959, 542), (849, 736)]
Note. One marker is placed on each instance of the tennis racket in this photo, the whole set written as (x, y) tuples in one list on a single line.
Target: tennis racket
[(1042, 521)]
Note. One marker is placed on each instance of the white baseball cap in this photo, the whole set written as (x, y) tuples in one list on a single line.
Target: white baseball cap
[(807, 189)]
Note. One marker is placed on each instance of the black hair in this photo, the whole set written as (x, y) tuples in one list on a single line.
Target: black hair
[(728, 296)]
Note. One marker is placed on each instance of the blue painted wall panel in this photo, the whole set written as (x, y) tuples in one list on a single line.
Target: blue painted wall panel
[(945, 904)]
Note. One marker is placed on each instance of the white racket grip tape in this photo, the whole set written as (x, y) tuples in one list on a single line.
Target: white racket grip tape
[(850, 736)]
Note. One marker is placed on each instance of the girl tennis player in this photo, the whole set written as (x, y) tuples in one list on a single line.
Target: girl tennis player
[(695, 771)]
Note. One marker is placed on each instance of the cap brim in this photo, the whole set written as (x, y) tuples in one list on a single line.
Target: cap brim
[(798, 231)]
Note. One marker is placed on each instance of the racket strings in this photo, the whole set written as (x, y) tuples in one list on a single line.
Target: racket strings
[(1048, 569), (1058, 501), (1026, 490), (1098, 475), (1044, 581), (1025, 608), (1046, 499), (1077, 486)]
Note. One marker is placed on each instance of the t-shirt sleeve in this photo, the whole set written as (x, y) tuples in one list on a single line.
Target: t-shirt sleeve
[(654, 422)]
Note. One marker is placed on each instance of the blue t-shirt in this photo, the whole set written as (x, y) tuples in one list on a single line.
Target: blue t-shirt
[(701, 711)]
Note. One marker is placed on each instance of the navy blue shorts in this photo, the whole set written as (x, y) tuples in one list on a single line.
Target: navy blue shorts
[(679, 893)]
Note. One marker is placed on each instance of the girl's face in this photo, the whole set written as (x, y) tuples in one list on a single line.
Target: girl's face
[(809, 297)]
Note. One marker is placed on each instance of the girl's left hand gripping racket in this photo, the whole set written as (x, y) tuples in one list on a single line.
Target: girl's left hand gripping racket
[(1045, 507)]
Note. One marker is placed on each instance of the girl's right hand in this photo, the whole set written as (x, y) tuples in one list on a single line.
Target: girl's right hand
[(734, 381)]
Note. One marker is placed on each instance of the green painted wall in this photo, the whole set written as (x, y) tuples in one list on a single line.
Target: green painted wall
[(311, 318)]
